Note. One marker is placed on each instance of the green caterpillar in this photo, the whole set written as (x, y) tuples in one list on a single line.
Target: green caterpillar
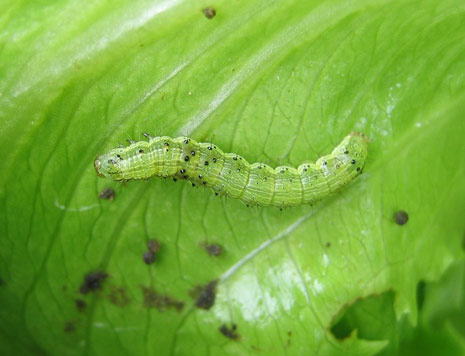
[(231, 175)]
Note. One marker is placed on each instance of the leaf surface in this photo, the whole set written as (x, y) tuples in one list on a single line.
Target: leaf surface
[(278, 82)]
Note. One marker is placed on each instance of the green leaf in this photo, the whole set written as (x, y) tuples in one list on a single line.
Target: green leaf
[(442, 309), (275, 81)]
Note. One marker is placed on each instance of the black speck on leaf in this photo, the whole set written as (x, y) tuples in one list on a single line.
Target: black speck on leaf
[(209, 12), (92, 282), (229, 332), (401, 217), (206, 295)]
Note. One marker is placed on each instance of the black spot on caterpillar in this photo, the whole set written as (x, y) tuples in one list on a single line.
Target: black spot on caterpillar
[(231, 175)]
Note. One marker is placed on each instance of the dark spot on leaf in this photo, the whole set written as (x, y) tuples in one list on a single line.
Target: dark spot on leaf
[(229, 332), (153, 245), (209, 12), (289, 335), (107, 193), (92, 282), (400, 217), (149, 257), (161, 302), (80, 305), (69, 327), (118, 296), (328, 244), (213, 249), (205, 295)]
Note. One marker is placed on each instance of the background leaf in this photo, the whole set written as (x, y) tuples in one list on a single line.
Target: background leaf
[(276, 81), (440, 327)]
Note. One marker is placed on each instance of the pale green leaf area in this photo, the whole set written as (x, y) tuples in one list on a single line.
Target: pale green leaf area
[(278, 82)]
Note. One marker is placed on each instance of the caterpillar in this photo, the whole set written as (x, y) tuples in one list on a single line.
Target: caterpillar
[(229, 174)]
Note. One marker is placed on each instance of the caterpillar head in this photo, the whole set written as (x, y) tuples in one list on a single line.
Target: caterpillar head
[(109, 166)]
